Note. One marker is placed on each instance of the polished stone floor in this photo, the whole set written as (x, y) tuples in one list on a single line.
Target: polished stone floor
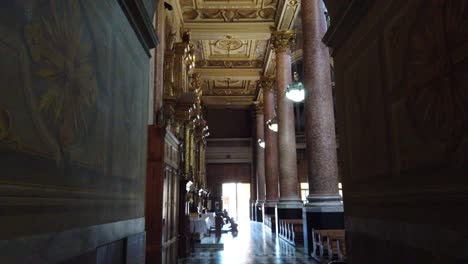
[(254, 244)]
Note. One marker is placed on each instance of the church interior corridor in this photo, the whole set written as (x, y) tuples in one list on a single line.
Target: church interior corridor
[(233, 131)]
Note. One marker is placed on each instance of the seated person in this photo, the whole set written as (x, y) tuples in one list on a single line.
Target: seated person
[(226, 216), (233, 225)]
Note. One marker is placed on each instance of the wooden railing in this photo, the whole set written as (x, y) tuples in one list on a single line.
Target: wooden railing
[(270, 221), (291, 230), (328, 245)]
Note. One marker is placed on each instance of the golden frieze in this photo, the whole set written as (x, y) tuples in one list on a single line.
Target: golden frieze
[(230, 15)]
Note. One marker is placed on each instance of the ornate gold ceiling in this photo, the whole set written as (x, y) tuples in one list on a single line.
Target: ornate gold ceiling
[(229, 10), (231, 42)]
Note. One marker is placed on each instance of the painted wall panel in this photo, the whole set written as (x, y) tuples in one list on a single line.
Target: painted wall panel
[(74, 83)]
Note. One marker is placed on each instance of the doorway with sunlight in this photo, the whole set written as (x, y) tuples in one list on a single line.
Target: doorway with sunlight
[(236, 198)]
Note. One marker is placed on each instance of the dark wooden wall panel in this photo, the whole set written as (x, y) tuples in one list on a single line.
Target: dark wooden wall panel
[(229, 123), (219, 173)]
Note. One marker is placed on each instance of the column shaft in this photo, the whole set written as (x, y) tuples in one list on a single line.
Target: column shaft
[(320, 119), (271, 149), (288, 178), (260, 157), (289, 186)]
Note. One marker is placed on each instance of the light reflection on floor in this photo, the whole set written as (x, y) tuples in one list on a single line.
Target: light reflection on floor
[(253, 244)]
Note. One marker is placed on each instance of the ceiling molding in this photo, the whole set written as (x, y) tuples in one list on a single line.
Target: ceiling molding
[(235, 74), (288, 12), (217, 31)]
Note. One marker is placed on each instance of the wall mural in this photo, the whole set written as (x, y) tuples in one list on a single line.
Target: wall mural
[(73, 108), (63, 59)]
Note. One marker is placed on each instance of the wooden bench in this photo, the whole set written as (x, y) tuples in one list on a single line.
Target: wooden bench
[(328, 244), (291, 230)]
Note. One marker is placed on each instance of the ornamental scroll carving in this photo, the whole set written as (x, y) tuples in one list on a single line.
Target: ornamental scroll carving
[(231, 63), (230, 15)]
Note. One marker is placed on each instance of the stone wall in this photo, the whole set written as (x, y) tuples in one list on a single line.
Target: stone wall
[(401, 93), (74, 78)]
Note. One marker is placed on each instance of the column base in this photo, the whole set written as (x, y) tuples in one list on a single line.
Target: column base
[(269, 218), (290, 204), (324, 200), (323, 216)]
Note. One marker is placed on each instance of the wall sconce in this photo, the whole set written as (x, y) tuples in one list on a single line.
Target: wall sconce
[(261, 143), (273, 124)]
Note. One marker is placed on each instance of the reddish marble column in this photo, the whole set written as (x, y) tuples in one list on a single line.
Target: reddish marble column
[(260, 164), (320, 119), (271, 146), (282, 42)]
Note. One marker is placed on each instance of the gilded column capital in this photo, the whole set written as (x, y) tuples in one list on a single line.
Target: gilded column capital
[(266, 83), (283, 41), (258, 108)]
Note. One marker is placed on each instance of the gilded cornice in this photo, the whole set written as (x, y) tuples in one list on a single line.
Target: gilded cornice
[(283, 41)]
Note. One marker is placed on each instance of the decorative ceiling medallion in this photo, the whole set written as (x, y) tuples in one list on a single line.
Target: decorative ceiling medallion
[(229, 43)]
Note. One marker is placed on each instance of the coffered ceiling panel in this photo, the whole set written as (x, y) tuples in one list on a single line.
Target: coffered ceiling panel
[(228, 87), (231, 42), (228, 10)]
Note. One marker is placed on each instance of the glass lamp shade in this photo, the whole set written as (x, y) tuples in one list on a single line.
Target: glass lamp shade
[(273, 124), (295, 92), (188, 186), (261, 143)]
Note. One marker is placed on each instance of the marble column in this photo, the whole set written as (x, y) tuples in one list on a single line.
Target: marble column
[(324, 209), (271, 145), (271, 154), (260, 164), (282, 42), (320, 119)]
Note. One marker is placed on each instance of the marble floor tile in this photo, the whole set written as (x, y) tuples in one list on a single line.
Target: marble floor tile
[(254, 244)]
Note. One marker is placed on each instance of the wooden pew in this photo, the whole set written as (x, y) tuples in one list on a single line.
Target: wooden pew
[(291, 230), (328, 244)]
